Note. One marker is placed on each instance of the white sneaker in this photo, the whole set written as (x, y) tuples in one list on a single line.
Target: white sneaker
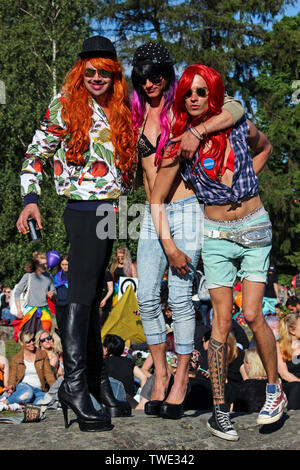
[(219, 423), (275, 404)]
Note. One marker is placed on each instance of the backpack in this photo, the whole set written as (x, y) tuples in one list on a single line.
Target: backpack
[(23, 298), (199, 286)]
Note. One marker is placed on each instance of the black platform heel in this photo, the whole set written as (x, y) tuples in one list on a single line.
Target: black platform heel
[(73, 393), (172, 411), (97, 377), (152, 407)]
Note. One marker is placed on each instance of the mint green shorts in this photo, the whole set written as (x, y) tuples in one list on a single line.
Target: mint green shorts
[(225, 260)]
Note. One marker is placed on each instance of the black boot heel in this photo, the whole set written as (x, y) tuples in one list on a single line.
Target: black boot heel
[(152, 407), (65, 413)]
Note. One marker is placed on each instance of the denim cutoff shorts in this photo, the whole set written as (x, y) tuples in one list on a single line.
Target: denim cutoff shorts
[(225, 260)]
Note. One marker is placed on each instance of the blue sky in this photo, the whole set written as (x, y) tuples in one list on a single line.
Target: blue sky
[(292, 11)]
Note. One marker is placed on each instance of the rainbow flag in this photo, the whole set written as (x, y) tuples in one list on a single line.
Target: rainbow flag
[(115, 294)]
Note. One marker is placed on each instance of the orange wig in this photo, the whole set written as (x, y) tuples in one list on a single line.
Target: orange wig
[(77, 114)]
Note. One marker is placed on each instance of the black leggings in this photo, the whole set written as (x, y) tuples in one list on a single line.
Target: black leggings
[(292, 391), (88, 257)]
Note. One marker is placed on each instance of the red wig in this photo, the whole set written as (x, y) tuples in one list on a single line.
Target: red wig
[(216, 90), (77, 114)]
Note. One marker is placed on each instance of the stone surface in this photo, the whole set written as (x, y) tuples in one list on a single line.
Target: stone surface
[(141, 432)]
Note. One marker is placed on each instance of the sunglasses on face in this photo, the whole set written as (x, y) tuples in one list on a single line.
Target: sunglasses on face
[(48, 338), (155, 79), (201, 92), (32, 340), (102, 72)]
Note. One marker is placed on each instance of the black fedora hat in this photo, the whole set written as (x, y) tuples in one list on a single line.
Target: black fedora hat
[(97, 46)]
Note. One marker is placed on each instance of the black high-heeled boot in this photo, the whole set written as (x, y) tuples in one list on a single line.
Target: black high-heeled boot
[(97, 378), (73, 392)]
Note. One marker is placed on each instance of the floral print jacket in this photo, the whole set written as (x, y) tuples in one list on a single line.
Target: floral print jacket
[(98, 179)]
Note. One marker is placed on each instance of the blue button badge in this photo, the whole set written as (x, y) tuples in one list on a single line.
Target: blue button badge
[(208, 163)]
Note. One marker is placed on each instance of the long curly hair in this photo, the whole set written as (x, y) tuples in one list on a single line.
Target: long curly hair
[(216, 90), (127, 267), (77, 114)]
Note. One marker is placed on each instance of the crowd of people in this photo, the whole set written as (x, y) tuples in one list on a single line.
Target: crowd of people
[(21, 383), (191, 143)]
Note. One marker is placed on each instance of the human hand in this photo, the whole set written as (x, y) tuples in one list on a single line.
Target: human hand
[(9, 389), (20, 315), (102, 303), (136, 312), (205, 373), (188, 145), (178, 261), (31, 210), (51, 294)]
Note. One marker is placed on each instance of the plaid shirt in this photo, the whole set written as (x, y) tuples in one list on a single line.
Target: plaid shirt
[(244, 180)]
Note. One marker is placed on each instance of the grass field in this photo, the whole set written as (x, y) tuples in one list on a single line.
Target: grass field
[(11, 348)]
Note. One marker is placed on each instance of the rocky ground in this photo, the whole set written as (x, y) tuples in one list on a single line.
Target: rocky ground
[(144, 433)]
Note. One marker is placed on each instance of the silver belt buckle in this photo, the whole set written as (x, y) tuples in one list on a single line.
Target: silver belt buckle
[(214, 233)]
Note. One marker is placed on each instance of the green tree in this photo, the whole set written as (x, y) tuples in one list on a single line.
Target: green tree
[(278, 115), (223, 34)]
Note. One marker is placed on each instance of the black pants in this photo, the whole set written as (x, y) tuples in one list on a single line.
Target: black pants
[(88, 257), (292, 391)]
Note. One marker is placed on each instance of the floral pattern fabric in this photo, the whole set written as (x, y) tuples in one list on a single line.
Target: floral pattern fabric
[(98, 179)]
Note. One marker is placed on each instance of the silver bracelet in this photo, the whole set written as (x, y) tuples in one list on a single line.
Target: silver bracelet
[(196, 134)]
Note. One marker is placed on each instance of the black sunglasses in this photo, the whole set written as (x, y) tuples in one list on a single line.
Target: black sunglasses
[(92, 72), (201, 92), (48, 338), (155, 79), (32, 340)]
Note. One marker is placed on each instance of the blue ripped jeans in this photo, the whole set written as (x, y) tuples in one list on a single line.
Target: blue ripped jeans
[(186, 223), (25, 393)]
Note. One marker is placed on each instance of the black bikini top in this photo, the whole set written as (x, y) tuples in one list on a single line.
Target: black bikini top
[(145, 148)]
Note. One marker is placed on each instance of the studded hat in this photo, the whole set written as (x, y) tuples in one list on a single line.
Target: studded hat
[(152, 53)]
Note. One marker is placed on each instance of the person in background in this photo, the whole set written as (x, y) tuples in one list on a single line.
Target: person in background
[(41, 286), (30, 374), (61, 285), (106, 301), (293, 304), (122, 368), (288, 352), (4, 373), (45, 341), (271, 294), (6, 317), (122, 265), (250, 395)]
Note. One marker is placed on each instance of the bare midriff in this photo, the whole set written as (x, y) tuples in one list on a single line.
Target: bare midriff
[(178, 190), (233, 211)]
